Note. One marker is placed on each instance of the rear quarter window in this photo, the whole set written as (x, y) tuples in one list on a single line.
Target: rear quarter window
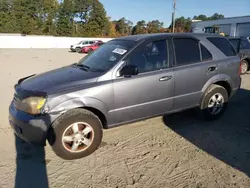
[(223, 45), (206, 55)]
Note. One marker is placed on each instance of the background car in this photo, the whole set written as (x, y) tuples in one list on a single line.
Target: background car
[(80, 45), (89, 49), (242, 46)]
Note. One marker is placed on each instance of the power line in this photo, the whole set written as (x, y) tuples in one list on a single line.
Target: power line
[(179, 12)]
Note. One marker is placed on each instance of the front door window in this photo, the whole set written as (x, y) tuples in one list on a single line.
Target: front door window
[(151, 58)]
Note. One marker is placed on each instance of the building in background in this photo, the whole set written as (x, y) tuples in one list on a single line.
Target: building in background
[(233, 26)]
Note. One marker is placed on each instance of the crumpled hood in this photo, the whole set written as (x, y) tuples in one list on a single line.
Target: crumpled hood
[(59, 79)]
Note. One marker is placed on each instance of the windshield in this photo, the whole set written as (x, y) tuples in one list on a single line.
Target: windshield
[(107, 55), (80, 42)]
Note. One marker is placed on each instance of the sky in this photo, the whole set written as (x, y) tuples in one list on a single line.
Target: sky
[(161, 10)]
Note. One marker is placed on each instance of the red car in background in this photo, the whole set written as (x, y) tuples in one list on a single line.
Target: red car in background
[(91, 48)]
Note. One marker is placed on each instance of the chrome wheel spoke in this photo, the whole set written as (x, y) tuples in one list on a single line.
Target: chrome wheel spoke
[(214, 98), (219, 99), (86, 141), (75, 128), (68, 138), (75, 146), (86, 130), (211, 105)]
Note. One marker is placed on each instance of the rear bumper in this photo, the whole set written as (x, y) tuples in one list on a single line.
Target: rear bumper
[(32, 129), (237, 88)]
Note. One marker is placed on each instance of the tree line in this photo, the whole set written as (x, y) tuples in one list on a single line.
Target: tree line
[(79, 18)]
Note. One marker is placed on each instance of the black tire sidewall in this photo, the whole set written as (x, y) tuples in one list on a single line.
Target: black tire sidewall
[(204, 105), (62, 123), (90, 50)]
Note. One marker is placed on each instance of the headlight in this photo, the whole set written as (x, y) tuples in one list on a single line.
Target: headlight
[(31, 105)]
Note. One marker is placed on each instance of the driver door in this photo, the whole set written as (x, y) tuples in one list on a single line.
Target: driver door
[(150, 93)]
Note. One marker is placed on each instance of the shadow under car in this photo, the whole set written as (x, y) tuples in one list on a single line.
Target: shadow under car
[(227, 139)]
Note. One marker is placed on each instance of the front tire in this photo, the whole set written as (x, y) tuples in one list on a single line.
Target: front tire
[(214, 102), (75, 134)]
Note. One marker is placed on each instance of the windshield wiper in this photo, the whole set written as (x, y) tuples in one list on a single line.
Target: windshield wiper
[(85, 67)]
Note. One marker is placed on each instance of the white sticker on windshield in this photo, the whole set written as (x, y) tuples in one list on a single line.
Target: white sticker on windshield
[(119, 51)]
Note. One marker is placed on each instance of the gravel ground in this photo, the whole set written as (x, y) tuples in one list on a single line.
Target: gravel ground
[(172, 151)]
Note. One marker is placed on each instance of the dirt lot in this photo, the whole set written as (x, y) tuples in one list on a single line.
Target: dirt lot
[(172, 151)]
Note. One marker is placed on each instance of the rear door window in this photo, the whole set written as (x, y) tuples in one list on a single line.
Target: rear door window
[(223, 45), (187, 51)]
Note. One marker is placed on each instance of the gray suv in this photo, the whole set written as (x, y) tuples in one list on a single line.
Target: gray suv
[(125, 80)]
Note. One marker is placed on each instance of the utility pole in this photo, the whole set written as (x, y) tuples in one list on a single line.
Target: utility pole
[(173, 15)]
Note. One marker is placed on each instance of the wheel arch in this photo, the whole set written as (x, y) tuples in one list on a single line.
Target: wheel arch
[(98, 113), (222, 80), (95, 106)]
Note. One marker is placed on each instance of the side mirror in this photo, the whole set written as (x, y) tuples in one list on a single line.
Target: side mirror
[(129, 70)]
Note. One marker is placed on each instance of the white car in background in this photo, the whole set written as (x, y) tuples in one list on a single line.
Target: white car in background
[(77, 47)]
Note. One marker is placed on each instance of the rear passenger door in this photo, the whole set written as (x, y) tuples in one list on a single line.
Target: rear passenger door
[(194, 65)]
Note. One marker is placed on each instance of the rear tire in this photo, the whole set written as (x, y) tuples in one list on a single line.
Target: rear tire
[(214, 102), (75, 134), (90, 50), (244, 66)]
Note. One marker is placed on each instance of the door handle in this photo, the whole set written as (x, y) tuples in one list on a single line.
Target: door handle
[(211, 69), (165, 78)]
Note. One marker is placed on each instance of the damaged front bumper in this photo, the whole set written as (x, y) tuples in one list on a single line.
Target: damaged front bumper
[(30, 128)]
